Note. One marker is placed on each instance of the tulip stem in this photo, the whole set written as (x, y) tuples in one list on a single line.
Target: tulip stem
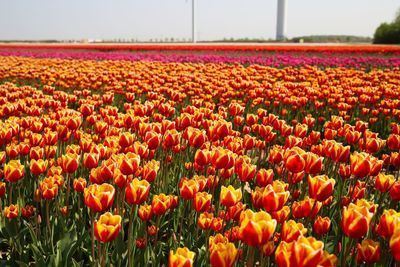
[(346, 249), (68, 192), (117, 196), (250, 261), (104, 254), (10, 194), (262, 261), (48, 220), (92, 233), (130, 236)]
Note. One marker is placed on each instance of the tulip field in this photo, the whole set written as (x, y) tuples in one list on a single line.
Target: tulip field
[(216, 157)]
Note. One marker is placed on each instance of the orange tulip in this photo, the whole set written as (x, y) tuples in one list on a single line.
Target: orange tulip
[(13, 171), (91, 160), (352, 136), (322, 225), (246, 172), (376, 166), (216, 224), (152, 139), (73, 123), (11, 212), (2, 157), (28, 211), (275, 196), (36, 153), (360, 165), (137, 191), (223, 255), (119, 179), (69, 162), (202, 201), (275, 155), (388, 223), (305, 251), (86, 109), (222, 158), (268, 248), (38, 167), (99, 198), (196, 137), (257, 197), (306, 208), (152, 230), (145, 212), (129, 163), (384, 182), (141, 243), (160, 204), (356, 220), (202, 157), (188, 188), (281, 215), (106, 171), (394, 191), (48, 188), (183, 257), (218, 238), (54, 171), (328, 260), (344, 171), (107, 228), (295, 163), (79, 184), (150, 170), (291, 230), (204, 221), (393, 142), (2, 189), (394, 244), (340, 153), (256, 228), (230, 196), (264, 177), (171, 138), (235, 211), (368, 251), (320, 187), (313, 163), (126, 139), (13, 150)]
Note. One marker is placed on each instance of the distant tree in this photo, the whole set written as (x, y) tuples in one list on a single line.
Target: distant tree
[(397, 18), (388, 33)]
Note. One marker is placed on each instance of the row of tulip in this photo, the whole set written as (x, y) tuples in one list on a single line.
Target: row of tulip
[(151, 163), (276, 60), (306, 48)]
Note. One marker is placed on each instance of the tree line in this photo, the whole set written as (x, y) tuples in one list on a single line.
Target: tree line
[(388, 33)]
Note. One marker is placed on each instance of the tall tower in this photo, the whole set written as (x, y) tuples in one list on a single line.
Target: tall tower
[(194, 39), (281, 21)]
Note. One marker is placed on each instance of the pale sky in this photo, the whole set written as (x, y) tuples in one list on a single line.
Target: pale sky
[(216, 19)]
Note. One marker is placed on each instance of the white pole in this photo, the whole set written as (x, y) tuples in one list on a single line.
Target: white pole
[(281, 21), (194, 21)]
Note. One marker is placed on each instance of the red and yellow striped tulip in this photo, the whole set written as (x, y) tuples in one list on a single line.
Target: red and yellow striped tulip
[(107, 228)]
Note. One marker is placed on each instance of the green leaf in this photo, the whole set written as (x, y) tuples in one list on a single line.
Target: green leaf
[(38, 256), (11, 227), (22, 264), (76, 264)]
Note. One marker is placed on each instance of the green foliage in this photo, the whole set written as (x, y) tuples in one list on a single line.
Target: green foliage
[(388, 33)]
